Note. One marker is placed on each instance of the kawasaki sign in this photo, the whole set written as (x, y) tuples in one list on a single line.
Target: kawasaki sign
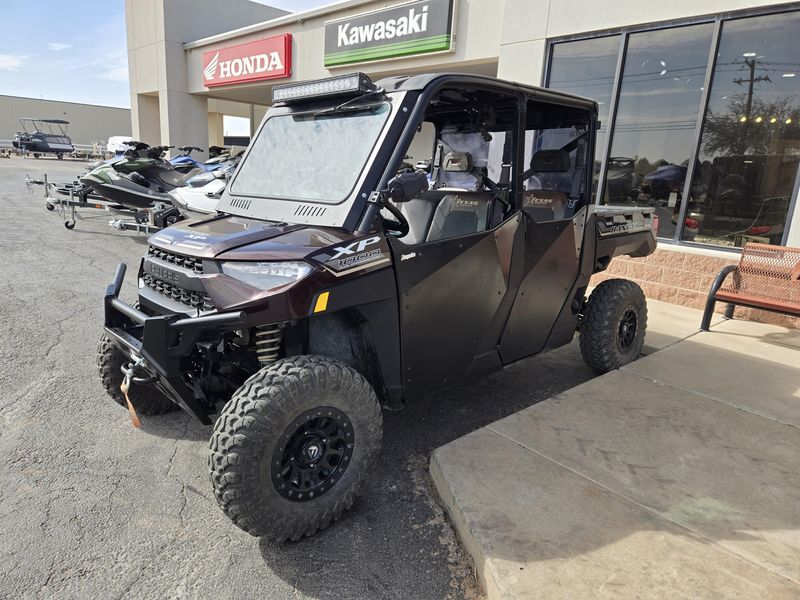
[(407, 29)]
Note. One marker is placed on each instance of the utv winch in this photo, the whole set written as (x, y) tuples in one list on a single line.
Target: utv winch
[(333, 282)]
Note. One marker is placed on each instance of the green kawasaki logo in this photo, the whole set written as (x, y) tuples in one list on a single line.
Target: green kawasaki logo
[(416, 28)]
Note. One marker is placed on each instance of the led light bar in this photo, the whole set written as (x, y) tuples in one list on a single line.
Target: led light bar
[(341, 85)]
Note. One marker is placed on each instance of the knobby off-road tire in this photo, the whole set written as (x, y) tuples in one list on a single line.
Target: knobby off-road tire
[(146, 398), (253, 437), (613, 326)]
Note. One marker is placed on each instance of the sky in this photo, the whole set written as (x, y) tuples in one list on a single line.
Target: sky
[(74, 50)]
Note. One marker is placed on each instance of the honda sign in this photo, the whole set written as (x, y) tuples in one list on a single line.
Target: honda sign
[(270, 58)]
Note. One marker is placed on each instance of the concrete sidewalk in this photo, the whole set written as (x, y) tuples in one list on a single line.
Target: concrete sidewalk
[(677, 476)]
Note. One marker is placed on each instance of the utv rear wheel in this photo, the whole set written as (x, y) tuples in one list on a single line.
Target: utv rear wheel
[(613, 326), (145, 398), (291, 447)]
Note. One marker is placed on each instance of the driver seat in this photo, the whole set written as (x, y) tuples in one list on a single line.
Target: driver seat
[(448, 211)]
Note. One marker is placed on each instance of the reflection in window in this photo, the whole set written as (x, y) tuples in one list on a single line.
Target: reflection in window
[(587, 68), (750, 143), (661, 88)]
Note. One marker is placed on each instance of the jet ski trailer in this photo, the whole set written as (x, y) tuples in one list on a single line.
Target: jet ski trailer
[(65, 198)]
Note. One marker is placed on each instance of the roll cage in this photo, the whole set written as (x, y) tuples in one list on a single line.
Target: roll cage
[(409, 98)]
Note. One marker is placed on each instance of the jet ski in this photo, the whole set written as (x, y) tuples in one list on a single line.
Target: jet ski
[(199, 197), (212, 164), (139, 179)]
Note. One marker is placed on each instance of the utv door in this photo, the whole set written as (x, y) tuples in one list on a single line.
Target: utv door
[(455, 295), (542, 315)]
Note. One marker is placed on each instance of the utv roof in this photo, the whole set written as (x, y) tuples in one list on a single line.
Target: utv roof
[(420, 82)]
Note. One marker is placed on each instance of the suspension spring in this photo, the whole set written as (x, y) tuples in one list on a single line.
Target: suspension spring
[(268, 343)]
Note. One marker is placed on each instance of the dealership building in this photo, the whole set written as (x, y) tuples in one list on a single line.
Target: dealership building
[(699, 102)]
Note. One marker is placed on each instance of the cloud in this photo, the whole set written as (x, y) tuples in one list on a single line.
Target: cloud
[(115, 67), (58, 46), (115, 73), (12, 62)]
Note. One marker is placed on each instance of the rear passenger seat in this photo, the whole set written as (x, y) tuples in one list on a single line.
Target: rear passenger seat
[(545, 205)]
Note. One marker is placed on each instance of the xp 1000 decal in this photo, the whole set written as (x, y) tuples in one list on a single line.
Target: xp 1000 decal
[(358, 254)]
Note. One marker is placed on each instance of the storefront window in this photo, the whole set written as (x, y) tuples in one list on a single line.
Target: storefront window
[(659, 104), (587, 68), (750, 144)]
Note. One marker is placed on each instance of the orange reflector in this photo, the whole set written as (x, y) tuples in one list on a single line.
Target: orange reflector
[(322, 302)]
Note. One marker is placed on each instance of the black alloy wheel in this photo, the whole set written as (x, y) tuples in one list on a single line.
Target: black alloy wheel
[(292, 446), (626, 334), (313, 454), (613, 325)]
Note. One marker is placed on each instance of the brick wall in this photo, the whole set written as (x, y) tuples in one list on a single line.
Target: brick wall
[(683, 278)]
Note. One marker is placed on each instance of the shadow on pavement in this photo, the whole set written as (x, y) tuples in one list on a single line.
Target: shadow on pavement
[(396, 527)]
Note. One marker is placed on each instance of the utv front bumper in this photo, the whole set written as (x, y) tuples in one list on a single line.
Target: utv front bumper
[(163, 342)]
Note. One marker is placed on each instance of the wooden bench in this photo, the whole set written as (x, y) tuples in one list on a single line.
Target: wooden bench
[(767, 277)]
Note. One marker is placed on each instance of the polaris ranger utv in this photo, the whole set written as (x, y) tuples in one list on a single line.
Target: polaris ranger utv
[(329, 284)]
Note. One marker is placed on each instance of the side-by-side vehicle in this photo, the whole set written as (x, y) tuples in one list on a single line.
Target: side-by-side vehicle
[(332, 282)]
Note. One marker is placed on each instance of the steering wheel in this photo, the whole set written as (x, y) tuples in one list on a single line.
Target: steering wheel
[(399, 227)]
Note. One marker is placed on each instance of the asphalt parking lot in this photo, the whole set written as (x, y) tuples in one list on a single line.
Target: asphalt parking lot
[(92, 508)]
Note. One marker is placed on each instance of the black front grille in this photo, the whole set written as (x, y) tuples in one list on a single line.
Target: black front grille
[(197, 300), (187, 262)]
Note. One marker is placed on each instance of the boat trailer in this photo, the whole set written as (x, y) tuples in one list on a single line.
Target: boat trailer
[(65, 198)]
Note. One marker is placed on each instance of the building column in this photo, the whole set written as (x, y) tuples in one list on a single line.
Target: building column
[(184, 119), (145, 119), (216, 129)]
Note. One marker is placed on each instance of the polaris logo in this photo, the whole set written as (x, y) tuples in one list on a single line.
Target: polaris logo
[(164, 274), (248, 65), (410, 24)]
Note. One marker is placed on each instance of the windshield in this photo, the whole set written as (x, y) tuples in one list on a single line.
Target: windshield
[(311, 156)]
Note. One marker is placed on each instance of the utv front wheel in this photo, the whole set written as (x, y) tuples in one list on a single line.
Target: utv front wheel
[(291, 447), (613, 326), (145, 398)]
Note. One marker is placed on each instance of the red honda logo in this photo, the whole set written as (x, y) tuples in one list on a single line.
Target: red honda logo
[(270, 58)]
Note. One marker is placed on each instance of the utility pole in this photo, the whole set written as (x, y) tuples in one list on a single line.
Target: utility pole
[(751, 81)]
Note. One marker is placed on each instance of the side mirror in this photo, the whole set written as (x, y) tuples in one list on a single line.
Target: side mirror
[(408, 186)]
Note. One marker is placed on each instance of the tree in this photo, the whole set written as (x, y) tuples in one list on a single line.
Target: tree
[(734, 132)]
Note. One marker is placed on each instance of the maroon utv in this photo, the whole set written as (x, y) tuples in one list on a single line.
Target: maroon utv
[(335, 280)]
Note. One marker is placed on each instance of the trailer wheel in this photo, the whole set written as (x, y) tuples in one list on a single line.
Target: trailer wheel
[(60, 156), (35, 155), (613, 326), (291, 447), (49, 207), (69, 224), (147, 399)]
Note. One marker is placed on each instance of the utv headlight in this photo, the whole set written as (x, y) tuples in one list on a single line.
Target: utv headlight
[(267, 275)]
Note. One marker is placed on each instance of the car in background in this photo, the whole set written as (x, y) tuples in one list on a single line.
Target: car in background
[(666, 179)]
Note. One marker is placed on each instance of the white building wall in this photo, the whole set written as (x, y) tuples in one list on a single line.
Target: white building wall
[(478, 34), (157, 30)]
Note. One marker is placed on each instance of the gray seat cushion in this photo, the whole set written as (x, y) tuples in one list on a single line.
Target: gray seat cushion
[(459, 213)]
